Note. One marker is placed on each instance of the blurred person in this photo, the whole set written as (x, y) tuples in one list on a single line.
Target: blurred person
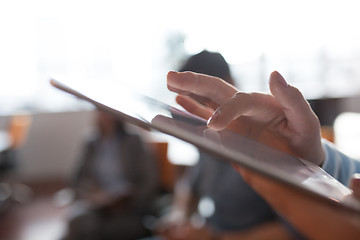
[(284, 120), (115, 184), (231, 208)]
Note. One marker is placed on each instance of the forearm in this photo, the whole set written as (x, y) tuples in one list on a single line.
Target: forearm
[(271, 231)]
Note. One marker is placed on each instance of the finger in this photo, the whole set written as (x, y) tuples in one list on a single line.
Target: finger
[(203, 85), (288, 101), (194, 107), (301, 122), (204, 101), (260, 107), (297, 110)]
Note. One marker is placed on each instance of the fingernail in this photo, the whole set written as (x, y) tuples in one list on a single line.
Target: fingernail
[(171, 73), (212, 120), (170, 79)]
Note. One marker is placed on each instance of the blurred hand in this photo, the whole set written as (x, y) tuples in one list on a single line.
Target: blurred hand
[(283, 120), (100, 199), (172, 221), (187, 232)]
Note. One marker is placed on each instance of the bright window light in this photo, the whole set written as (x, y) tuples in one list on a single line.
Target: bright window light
[(313, 43)]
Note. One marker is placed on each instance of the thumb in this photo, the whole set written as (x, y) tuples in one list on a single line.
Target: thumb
[(302, 122), (296, 109)]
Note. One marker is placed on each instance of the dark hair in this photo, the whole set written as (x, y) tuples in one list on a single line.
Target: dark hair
[(210, 63), (110, 120)]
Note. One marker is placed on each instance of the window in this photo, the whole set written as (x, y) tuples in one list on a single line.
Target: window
[(314, 44)]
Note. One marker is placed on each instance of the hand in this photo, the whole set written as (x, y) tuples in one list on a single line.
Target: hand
[(170, 222), (187, 232), (283, 120), (97, 197), (102, 200), (311, 216)]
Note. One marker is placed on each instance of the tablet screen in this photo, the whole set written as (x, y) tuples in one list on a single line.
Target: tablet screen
[(152, 114)]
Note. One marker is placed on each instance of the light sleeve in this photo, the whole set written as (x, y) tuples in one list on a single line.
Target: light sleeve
[(338, 165)]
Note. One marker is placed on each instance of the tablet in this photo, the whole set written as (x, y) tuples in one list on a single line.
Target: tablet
[(154, 115)]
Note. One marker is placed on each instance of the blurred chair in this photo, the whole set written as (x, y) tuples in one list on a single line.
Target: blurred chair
[(16, 134), (12, 139), (167, 175), (5, 165), (167, 170), (327, 132), (18, 129)]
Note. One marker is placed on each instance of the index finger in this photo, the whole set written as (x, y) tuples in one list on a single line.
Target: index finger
[(200, 84)]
